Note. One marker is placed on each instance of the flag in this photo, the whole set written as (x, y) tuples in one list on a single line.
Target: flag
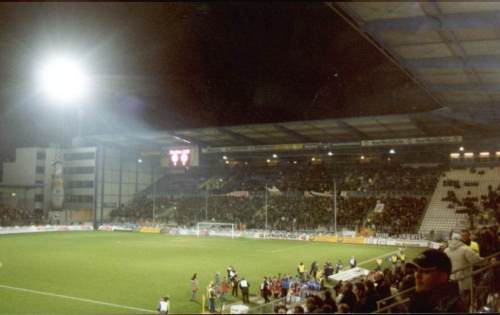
[(323, 194), (274, 191), (379, 207)]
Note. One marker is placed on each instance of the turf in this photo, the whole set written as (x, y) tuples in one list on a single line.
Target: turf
[(135, 269)]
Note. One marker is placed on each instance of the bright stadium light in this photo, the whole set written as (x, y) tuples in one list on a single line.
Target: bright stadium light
[(275, 156), (461, 149), (392, 151), (330, 153), (62, 79)]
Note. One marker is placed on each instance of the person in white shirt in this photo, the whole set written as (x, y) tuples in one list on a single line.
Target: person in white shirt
[(352, 262), (244, 286), (164, 306)]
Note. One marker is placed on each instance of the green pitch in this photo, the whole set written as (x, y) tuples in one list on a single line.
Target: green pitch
[(126, 273)]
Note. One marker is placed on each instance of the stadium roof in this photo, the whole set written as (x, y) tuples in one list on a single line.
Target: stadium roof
[(346, 130), (451, 48)]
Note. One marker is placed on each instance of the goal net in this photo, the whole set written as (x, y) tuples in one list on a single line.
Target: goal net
[(215, 229)]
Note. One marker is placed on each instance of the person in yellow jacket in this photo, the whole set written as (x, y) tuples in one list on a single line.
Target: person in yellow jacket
[(465, 237), (379, 264), (301, 269)]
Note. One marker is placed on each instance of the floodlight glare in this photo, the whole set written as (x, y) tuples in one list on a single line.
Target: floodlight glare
[(63, 80)]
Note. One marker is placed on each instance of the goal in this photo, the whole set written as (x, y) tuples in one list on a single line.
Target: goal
[(215, 229)]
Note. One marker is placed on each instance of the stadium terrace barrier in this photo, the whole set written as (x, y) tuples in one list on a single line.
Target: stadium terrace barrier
[(125, 228), (278, 235), (338, 239), (148, 229), (44, 228), (398, 242)]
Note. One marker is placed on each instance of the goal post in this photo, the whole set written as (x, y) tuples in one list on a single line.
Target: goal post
[(217, 228)]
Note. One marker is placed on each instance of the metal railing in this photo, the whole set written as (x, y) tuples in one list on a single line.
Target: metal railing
[(401, 300)]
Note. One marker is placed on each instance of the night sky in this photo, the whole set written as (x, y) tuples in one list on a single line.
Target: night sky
[(187, 65)]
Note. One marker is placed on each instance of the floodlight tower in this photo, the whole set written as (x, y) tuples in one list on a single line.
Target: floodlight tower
[(64, 82)]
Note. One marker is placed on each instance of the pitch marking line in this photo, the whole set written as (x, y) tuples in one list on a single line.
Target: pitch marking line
[(76, 298), (379, 256)]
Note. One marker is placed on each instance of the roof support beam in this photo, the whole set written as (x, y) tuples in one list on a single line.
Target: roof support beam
[(426, 23), (353, 130), (461, 88), (485, 62), (192, 140), (293, 133), (238, 136)]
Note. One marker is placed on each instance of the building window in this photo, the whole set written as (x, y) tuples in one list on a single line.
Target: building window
[(40, 156), (39, 181), (79, 156), (80, 184), (79, 170), (39, 198), (40, 169), (79, 199)]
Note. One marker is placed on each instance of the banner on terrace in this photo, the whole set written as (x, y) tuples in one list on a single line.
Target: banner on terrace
[(327, 194), (411, 141), (240, 193)]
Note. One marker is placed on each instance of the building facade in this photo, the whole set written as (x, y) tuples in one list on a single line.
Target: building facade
[(96, 180)]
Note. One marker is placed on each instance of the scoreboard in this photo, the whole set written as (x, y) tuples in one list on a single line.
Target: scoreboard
[(181, 157)]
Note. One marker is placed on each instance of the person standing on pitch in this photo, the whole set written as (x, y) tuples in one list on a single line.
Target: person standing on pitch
[(353, 262), (313, 272), (194, 286), (339, 266), (234, 284), (301, 268), (163, 306), (211, 297), (245, 286)]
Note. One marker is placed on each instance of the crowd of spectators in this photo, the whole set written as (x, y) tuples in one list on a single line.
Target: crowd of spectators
[(15, 217), (443, 290), (293, 206), (399, 215), (314, 292), (481, 209)]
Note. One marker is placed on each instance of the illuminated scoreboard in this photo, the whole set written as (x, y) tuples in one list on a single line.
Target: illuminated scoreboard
[(181, 157)]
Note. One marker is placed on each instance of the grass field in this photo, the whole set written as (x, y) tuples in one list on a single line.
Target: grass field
[(126, 273)]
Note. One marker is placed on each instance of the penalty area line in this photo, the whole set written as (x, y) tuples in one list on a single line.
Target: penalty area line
[(76, 298)]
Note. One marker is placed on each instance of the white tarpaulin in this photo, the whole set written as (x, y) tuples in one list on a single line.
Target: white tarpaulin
[(349, 274)]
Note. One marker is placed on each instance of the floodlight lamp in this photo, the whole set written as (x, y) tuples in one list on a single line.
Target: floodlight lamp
[(62, 80), (275, 155), (461, 148)]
